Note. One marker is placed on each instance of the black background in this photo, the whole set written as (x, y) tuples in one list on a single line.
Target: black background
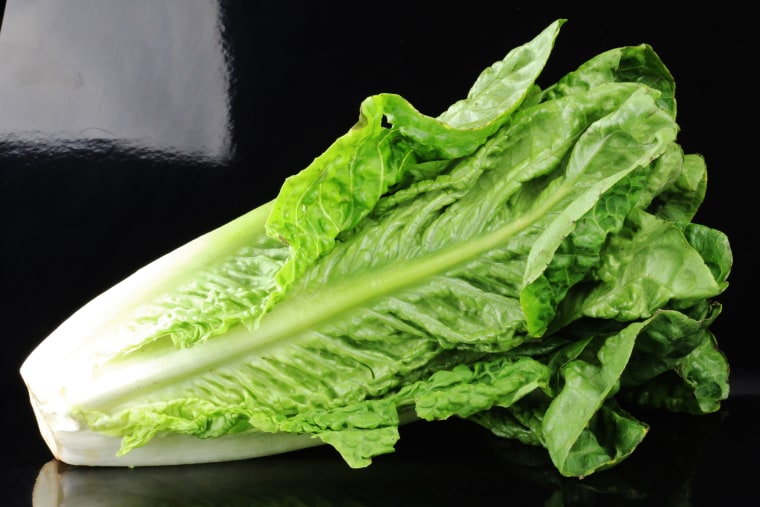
[(80, 217)]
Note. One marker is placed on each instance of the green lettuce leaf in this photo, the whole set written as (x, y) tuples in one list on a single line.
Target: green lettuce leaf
[(343, 184)]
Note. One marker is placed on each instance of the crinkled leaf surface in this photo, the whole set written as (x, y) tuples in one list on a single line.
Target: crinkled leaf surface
[(525, 260)]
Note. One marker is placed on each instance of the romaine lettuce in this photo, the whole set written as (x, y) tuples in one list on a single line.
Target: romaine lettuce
[(525, 260)]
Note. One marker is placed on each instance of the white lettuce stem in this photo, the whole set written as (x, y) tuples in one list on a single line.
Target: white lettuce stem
[(77, 345)]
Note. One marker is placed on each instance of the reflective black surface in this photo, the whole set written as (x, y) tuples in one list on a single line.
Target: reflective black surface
[(128, 128), (684, 461), (85, 73)]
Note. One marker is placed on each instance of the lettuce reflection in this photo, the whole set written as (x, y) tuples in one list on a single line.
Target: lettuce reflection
[(223, 484)]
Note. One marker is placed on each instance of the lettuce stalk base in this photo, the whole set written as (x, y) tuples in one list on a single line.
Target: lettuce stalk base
[(83, 447)]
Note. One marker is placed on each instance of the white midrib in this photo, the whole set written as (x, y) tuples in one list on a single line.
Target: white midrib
[(288, 320)]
